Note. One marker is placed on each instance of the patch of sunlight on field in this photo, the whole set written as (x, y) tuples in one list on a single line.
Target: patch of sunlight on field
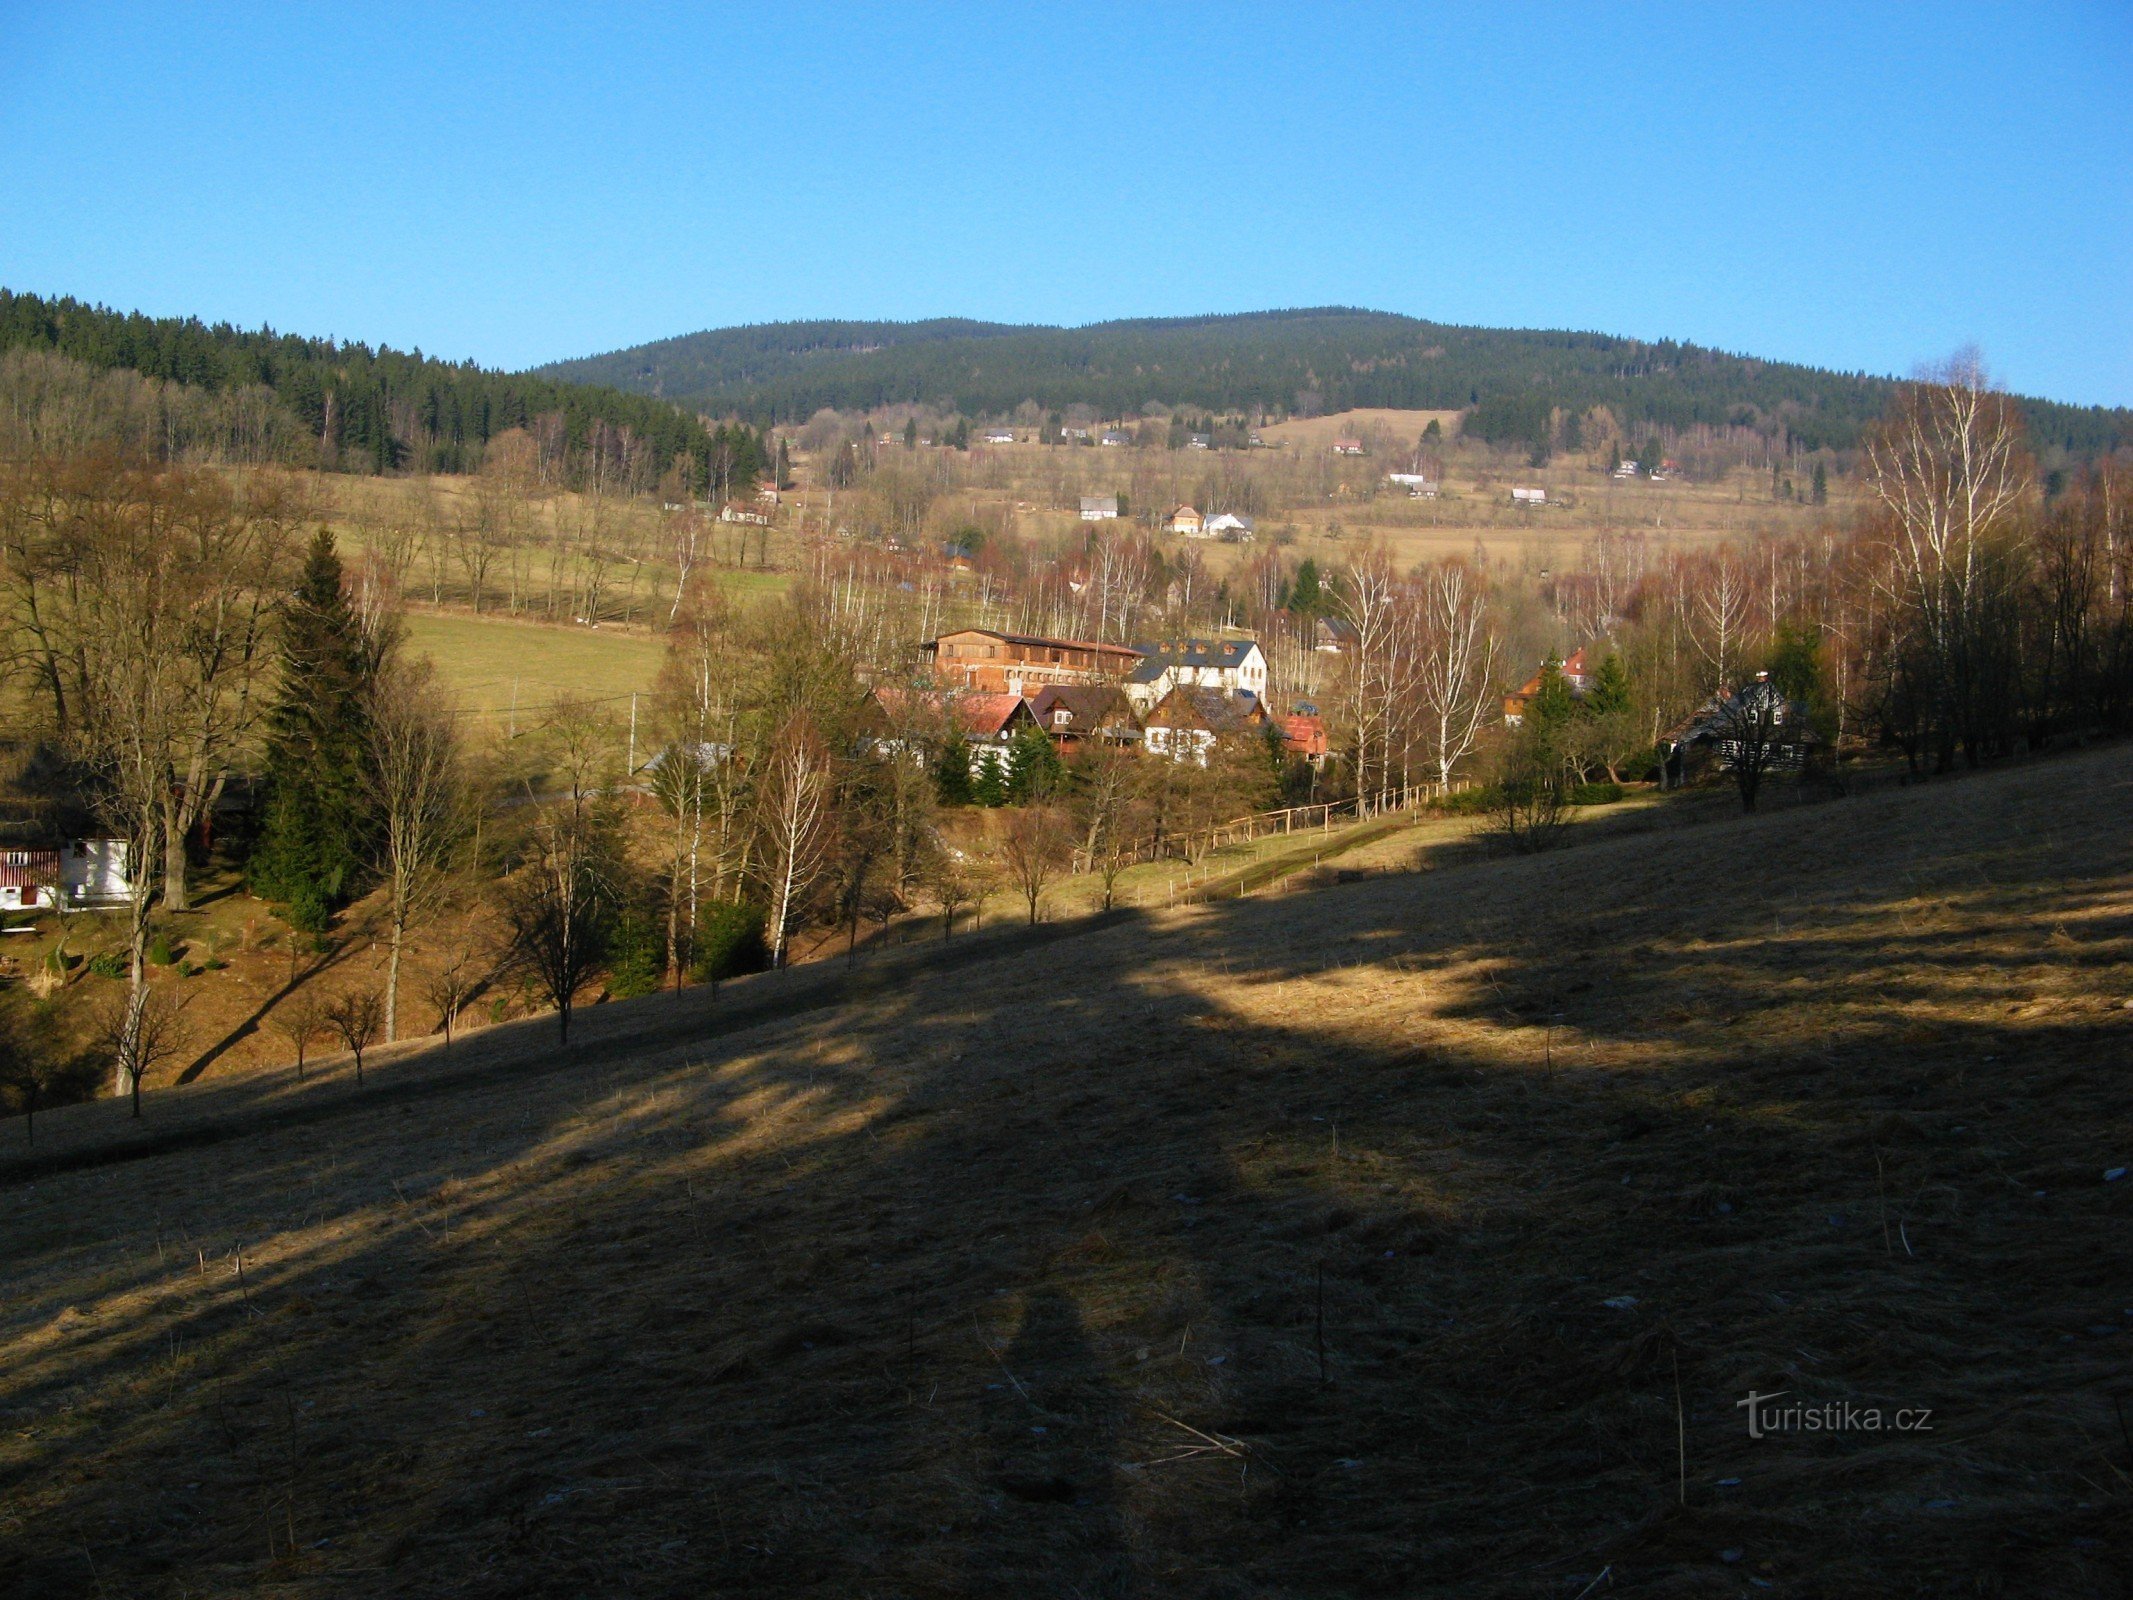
[(490, 662)]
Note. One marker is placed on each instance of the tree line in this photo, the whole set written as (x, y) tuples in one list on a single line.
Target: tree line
[(352, 407)]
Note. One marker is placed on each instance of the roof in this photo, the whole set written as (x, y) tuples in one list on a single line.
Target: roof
[(1190, 653), (1217, 710), (1035, 639), (1717, 720), (973, 713), (1304, 732), (1089, 706)]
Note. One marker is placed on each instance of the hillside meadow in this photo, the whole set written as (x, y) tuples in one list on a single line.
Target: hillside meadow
[(1418, 1235)]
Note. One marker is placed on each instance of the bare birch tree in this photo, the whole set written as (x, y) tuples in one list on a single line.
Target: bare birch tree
[(418, 790), (794, 822), (1455, 676)]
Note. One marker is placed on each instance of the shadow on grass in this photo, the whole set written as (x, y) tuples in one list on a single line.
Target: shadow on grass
[(1405, 1238)]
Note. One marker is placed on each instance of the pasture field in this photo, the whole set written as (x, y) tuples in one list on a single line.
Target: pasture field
[(494, 663), (1419, 1234)]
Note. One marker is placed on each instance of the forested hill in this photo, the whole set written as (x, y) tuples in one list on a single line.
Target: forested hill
[(379, 409), (1333, 358)]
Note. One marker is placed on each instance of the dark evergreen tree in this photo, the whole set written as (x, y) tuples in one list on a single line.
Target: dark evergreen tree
[(1821, 489), (1306, 598), (315, 829), (1609, 694)]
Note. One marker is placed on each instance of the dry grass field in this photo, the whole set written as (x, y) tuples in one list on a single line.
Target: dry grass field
[(1414, 1236)]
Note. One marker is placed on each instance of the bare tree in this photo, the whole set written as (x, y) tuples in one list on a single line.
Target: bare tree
[(418, 792), (140, 1033), (1112, 814), (300, 1018), (1949, 475), (1034, 849), (356, 1018), (795, 827), (957, 882), (1455, 676), (448, 990), (559, 907)]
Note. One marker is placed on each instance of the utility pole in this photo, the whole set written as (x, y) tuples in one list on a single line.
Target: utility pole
[(630, 769)]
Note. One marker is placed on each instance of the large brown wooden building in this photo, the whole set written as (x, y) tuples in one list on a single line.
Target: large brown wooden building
[(1021, 663)]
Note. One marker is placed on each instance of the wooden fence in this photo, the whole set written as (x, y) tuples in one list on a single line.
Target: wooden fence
[(1319, 817)]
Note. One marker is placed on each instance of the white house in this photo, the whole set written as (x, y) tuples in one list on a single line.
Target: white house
[(88, 872), (1232, 665), (1419, 485), (1529, 497), (999, 436), (1099, 508), (1114, 438), (1228, 526)]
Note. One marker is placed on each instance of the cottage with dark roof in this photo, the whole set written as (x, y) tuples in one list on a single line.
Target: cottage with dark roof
[(1079, 714), (1188, 723)]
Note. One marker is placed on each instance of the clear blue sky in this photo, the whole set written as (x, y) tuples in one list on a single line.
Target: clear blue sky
[(1856, 186)]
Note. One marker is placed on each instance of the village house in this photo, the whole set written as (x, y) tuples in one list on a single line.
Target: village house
[(1077, 713), (1187, 723), (1200, 441), (1577, 677), (1233, 666), (1721, 731), (1099, 508), (733, 511), (1020, 664), (1303, 735), (1114, 438), (77, 873), (1229, 527), (1347, 447), (912, 723), (1330, 636), (1185, 520), (1529, 497), (999, 436), (1419, 485), (1072, 435)]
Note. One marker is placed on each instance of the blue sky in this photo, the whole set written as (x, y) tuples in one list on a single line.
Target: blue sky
[(1854, 186)]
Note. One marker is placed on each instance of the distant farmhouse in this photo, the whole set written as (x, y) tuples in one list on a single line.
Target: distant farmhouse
[(1419, 486), (1529, 497), (1185, 520), (1229, 528), (999, 436), (1187, 723), (1347, 447), (1114, 438), (1099, 508)]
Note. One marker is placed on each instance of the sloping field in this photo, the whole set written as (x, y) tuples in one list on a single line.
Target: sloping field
[(1417, 1236)]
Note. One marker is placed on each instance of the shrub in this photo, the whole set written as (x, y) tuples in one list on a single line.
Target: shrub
[(729, 941), (110, 964), (162, 953), (306, 910), (1596, 794), (1474, 801)]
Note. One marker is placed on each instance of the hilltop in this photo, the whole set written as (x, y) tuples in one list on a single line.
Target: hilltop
[(1423, 1232), (1329, 358)]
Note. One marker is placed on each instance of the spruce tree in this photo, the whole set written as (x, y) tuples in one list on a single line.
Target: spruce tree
[(1821, 489), (314, 832)]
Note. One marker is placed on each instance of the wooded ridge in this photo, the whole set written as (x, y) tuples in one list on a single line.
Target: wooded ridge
[(1330, 358)]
